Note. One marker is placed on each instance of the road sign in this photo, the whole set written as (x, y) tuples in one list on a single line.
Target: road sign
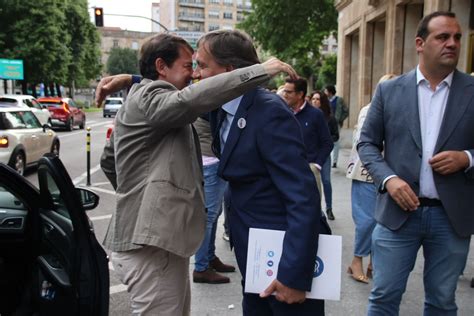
[(11, 69)]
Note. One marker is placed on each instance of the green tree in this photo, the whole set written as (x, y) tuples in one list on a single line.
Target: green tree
[(83, 45), (122, 61), (327, 72), (292, 30)]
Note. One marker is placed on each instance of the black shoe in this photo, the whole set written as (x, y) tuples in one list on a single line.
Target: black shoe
[(329, 214), (334, 165)]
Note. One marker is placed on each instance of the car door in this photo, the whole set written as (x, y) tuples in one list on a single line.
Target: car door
[(69, 273), (25, 135), (75, 112)]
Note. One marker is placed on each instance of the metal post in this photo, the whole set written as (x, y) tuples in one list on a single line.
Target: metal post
[(88, 150)]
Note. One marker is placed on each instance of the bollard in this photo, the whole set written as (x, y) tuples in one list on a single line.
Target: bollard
[(88, 152)]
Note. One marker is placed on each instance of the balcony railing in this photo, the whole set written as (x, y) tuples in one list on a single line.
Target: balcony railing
[(192, 3)]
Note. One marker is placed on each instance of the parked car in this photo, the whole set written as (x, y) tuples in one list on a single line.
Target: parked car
[(23, 140), (111, 106), (64, 112), (27, 101), (50, 260)]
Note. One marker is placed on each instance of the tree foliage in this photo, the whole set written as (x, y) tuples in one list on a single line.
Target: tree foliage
[(54, 38), (292, 30), (122, 61), (327, 72)]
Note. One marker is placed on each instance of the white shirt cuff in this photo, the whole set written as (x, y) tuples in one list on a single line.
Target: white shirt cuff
[(319, 167), (470, 159), (386, 179)]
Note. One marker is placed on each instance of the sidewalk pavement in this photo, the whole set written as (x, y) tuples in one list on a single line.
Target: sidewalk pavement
[(225, 299)]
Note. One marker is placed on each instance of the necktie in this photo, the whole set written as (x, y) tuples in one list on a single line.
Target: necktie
[(216, 138)]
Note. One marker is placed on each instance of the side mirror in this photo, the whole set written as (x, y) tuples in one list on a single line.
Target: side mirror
[(46, 126), (89, 199)]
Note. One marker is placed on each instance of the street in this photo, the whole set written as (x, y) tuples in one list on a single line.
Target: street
[(225, 299)]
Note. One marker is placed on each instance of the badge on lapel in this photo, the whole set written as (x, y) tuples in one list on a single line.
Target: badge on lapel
[(241, 123)]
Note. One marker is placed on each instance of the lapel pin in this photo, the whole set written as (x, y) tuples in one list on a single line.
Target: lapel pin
[(241, 123)]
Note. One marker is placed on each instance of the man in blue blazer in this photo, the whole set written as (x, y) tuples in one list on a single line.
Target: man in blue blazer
[(316, 136), (263, 158), (423, 122)]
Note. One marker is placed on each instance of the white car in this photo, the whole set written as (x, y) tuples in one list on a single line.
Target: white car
[(23, 140), (27, 101), (111, 106)]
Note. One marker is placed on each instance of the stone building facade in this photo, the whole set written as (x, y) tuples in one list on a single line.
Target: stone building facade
[(376, 37)]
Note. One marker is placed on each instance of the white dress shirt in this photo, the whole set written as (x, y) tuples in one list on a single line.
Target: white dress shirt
[(431, 108)]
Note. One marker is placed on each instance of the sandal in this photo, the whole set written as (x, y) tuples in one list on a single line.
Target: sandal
[(359, 278)]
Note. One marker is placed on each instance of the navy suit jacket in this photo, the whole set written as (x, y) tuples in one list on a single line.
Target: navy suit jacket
[(316, 134), (271, 185)]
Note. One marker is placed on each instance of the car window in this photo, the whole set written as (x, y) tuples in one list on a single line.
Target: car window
[(28, 103), (10, 201), (51, 103), (113, 102), (8, 102), (58, 201), (72, 103), (13, 120), (30, 120), (36, 104)]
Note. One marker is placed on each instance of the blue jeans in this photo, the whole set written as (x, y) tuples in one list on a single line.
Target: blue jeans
[(214, 188), (326, 180), (363, 208), (393, 258)]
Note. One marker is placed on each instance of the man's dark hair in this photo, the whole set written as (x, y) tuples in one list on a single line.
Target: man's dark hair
[(422, 30), (331, 89), (301, 84), (164, 46), (230, 47)]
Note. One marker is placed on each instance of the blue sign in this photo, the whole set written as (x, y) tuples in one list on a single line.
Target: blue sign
[(11, 69)]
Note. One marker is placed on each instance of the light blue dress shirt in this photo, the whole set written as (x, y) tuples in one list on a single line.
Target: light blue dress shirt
[(230, 108)]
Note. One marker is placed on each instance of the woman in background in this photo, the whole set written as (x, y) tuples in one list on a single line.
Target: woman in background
[(363, 196), (321, 101)]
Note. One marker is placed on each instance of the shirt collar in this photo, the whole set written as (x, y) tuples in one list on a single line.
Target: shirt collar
[(300, 108), (232, 106), (420, 77)]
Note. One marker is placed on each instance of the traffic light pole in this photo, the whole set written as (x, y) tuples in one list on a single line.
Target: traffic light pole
[(139, 16)]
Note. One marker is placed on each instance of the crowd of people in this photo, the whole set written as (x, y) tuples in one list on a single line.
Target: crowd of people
[(177, 149)]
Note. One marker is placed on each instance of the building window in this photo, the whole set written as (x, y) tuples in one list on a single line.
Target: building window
[(115, 43), (228, 15), (214, 1), (213, 27), (229, 3), (213, 14), (135, 45)]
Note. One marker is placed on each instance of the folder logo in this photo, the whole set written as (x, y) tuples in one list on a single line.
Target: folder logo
[(318, 267)]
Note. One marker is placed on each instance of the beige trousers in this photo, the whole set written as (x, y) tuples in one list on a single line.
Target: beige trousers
[(157, 280), (317, 175)]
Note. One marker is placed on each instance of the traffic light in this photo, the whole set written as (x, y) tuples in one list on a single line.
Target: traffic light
[(99, 17)]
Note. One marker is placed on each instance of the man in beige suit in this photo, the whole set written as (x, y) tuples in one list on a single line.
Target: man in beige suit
[(160, 217)]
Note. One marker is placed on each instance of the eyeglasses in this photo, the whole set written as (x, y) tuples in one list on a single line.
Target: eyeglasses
[(288, 91)]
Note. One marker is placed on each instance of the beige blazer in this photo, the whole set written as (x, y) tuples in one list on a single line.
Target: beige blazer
[(160, 198), (355, 168)]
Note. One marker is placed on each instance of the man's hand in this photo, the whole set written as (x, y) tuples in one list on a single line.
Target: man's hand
[(402, 194), (284, 293), (447, 162), (274, 66), (111, 84)]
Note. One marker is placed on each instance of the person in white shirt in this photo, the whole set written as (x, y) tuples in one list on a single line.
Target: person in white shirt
[(423, 122)]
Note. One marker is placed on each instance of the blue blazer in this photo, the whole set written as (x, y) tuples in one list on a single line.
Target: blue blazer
[(393, 126), (271, 185)]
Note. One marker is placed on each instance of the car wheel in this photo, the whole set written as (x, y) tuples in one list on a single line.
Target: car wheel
[(55, 147), (18, 162), (70, 124), (83, 123)]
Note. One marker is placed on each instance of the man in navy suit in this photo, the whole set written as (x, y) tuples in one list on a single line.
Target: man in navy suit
[(315, 130), (263, 157)]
